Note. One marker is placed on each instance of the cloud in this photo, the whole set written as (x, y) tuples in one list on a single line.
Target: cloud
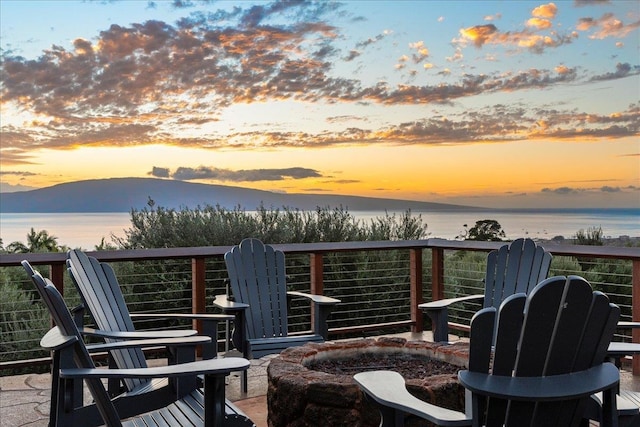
[(493, 17), (156, 66), (250, 175), (546, 11), (160, 83), (182, 4), (580, 3), (608, 189), (565, 190), (160, 172), (346, 181), (421, 51), (372, 40), (622, 70), (479, 34), (560, 190), (17, 173), (530, 38), (607, 26), (539, 23), (353, 54)]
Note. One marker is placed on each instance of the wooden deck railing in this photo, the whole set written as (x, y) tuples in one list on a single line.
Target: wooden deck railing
[(316, 252)]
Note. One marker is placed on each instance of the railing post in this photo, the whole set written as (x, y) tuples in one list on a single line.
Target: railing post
[(56, 273), (635, 310), (437, 274), (415, 281), (198, 297), (316, 267)]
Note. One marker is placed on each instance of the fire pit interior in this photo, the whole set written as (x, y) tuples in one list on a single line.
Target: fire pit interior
[(313, 385), (410, 366)]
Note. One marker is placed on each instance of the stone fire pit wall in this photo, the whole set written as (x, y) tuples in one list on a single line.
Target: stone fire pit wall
[(298, 396)]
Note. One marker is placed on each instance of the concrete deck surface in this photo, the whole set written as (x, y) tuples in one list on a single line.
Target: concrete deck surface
[(24, 399)]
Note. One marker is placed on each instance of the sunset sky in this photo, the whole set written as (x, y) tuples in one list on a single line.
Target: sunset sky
[(482, 103)]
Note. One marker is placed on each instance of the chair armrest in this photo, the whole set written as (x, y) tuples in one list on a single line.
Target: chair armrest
[(439, 314), (214, 366), (159, 342), (209, 326), (192, 316), (318, 299), (444, 303), (323, 307), (138, 335), (538, 389), (223, 302), (388, 389), (54, 340), (621, 349)]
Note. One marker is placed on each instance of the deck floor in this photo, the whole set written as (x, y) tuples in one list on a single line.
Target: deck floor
[(24, 399)]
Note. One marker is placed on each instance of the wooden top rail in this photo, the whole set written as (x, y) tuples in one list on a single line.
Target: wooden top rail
[(631, 253)]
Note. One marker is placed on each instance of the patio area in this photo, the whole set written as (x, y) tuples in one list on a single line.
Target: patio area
[(24, 399)]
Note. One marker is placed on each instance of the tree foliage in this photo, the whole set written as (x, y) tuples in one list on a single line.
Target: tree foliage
[(488, 230), (37, 241), (158, 227), (591, 237)]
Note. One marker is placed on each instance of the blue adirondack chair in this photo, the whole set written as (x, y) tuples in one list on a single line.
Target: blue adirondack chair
[(548, 360), (516, 267), (72, 364), (258, 283)]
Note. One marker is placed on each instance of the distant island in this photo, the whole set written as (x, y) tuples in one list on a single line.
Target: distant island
[(124, 194)]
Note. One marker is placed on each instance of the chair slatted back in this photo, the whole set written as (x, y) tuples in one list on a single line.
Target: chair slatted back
[(101, 294), (563, 327), (257, 277), (64, 322), (514, 268)]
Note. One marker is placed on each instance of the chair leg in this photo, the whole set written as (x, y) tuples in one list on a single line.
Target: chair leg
[(439, 324), (210, 329), (55, 384), (245, 382), (214, 401), (320, 315), (609, 409), (390, 417)]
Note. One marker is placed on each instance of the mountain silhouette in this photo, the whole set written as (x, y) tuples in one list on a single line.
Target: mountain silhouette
[(124, 194)]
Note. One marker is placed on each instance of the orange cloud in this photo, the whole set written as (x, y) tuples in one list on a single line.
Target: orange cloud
[(480, 34), (563, 69), (548, 11), (607, 26), (539, 23)]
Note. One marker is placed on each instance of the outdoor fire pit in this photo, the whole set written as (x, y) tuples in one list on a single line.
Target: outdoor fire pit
[(313, 385)]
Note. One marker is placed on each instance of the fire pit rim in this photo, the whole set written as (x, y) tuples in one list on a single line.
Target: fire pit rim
[(297, 395)]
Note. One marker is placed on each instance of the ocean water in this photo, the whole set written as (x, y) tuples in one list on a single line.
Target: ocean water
[(85, 230)]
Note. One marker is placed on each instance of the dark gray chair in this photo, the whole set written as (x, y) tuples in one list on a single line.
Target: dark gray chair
[(100, 292), (258, 283), (72, 364), (516, 267), (547, 361)]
